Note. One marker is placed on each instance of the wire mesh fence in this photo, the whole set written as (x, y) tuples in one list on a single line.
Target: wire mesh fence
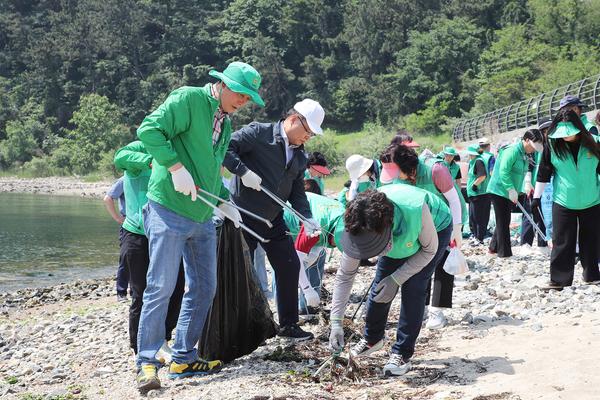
[(527, 112)]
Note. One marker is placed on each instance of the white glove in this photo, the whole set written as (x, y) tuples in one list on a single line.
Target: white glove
[(312, 297), (312, 227), (228, 211), (513, 195), (251, 180), (457, 235), (336, 337), (184, 183)]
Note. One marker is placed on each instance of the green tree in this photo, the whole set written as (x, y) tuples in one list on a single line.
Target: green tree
[(97, 130)]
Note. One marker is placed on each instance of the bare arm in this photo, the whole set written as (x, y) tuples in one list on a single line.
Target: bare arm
[(109, 203)]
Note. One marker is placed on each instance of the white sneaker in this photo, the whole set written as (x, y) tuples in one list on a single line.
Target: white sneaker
[(436, 319), (362, 348), (164, 354), (396, 366)]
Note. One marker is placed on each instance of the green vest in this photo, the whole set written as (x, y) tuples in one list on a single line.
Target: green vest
[(134, 159), (362, 187), (453, 168), (438, 204), (317, 179), (576, 187), (471, 178), (135, 189), (329, 213), (408, 203), (509, 170)]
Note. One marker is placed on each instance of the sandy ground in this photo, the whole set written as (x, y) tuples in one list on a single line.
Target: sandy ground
[(64, 186)]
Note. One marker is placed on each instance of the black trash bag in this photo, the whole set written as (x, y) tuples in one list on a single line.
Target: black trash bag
[(240, 318)]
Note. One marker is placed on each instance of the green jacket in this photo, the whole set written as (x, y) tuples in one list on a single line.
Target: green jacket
[(576, 187), (509, 170), (180, 130), (408, 204), (135, 161), (453, 167), (328, 212)]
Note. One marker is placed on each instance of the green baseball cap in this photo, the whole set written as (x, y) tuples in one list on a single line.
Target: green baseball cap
[(563, 129), (473, 149), (241, 78), (450, 151)]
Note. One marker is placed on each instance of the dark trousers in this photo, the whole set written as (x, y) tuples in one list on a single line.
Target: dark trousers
[(284, 261), (564, 238), (527, 230), (500, 243), (443, 286), (134, 252), (122, 273), (413, 292), (479, 215)]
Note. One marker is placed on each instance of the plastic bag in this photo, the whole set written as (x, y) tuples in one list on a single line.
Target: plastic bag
[(456, 263), (240, 318)]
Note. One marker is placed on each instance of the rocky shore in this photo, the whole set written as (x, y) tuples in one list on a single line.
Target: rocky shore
[(506, 339), (65, 186)]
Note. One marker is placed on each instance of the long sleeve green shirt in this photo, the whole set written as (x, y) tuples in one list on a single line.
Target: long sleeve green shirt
[(180, 130)]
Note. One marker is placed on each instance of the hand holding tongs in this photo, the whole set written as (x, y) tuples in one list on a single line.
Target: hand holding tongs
[(243, 226)]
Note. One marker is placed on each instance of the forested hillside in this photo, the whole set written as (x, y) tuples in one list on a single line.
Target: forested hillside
[(78, 76)]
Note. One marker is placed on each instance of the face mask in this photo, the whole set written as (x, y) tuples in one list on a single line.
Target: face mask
[(539, 147)]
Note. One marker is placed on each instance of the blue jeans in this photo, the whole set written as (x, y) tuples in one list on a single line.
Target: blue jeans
[(171, 236), (413, 292), (315, 277), (260, 270)]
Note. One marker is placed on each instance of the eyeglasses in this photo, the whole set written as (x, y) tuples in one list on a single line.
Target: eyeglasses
[(305, 128)]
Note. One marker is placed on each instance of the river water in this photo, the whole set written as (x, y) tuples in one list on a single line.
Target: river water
[(47, 239)]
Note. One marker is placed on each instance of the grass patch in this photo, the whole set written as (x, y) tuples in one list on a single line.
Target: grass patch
[(11, 380)]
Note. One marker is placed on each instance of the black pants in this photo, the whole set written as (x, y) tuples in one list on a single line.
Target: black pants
[(527, 230), (284, 261), (443, 286), (134, 252), (564, 238), (479, 215), (500, 243), (122, 273)]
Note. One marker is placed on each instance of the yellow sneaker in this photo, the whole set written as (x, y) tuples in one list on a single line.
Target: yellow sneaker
[(147, 378), (198, 367)]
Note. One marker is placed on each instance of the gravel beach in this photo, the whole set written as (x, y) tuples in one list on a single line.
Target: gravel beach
[(506, 340), (64, 186)]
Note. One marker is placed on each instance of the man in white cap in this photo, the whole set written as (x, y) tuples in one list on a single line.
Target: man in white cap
[(272, 155)]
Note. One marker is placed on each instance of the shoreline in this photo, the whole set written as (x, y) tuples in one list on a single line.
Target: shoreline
[(61, 186), (71, 340)]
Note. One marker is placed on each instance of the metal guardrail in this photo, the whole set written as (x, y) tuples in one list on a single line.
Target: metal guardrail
[(527, 112)]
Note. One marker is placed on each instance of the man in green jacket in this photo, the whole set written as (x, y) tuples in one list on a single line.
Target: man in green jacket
[(187, 136)]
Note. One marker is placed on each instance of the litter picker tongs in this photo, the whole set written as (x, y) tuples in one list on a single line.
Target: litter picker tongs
[(285, 205), (243, 226), (535, 226)]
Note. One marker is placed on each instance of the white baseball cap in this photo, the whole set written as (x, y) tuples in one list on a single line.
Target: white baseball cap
[(313, 113), (357, 165)]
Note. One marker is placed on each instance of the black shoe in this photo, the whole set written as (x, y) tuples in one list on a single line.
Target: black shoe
[(551, 285), (122, 297), (293, 331)]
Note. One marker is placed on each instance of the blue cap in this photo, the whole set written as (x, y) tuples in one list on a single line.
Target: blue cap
[(569, 100)]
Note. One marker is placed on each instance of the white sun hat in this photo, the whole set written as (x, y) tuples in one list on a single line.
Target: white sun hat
[(357, 165)]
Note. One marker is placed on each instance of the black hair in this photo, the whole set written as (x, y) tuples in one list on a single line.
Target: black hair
[(585, 138), (535, 135), (387, 154), (371, 211), (347, 184), (401, 136), (316, 158), (310, 185), (406, 159)]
